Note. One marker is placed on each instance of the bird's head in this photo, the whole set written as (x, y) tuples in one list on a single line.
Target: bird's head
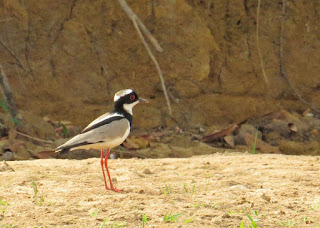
[(126, 99)]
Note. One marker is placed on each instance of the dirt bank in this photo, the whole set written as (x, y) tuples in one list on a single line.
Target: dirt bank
[(66, 60), (205, 191)]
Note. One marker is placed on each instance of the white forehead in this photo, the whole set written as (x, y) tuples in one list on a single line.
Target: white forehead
[(122, 93)]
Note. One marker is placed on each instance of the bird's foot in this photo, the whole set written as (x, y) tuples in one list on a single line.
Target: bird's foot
[(116, 190)]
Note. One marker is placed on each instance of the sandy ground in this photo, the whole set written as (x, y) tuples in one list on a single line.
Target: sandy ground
[(216, 190)]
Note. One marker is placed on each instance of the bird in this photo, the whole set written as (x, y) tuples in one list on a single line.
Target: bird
[(107, 131)]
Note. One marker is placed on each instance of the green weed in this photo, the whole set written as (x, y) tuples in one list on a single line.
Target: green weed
[(114, 224), (172, 218), (215, 205), (5, 107), (188, 220), (189, 190), (253, 222), (253, 150), (64, 130), (94, 213), (199, 205), (8, 226), (167, 189), (103, 223), (117, 224), (37, 199), (3, 204), (288, 223), (305, 220), (231, 213), (144, 219)]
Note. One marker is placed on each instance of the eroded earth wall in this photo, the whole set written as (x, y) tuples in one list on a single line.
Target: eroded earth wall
[(66, 59)]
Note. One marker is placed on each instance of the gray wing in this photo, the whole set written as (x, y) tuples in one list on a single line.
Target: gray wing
[(114, 130)]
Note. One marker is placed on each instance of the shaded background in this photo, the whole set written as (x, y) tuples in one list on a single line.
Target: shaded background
[(66, 59)]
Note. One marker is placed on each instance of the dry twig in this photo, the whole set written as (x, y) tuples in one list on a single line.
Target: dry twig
[(258, 45), (282, 66), (141, 27), (31, 137), (7, 94), (134, 17), (13, 55)]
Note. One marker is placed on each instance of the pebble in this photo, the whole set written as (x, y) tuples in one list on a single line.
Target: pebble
[(7, 156), (146, 171), (114, 180)]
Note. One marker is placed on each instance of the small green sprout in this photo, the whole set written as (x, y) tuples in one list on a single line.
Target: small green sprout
[(144, 219), (172, 218)]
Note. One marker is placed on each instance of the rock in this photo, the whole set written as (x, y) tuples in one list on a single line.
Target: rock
[(4, 146), (114, 180), (146, 171), (310, 123), (239, 139), (266, 197), (292, 127), (260, 145), (229, 140), (8, 156), (21, 153), (136, 142), (279, 126), (113, 156), (290, 117), (273, 138), (14, 146)]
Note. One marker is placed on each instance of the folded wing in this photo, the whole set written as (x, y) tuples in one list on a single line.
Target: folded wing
[(107, 131)]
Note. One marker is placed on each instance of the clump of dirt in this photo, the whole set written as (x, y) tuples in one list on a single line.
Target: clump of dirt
[(217, 190)]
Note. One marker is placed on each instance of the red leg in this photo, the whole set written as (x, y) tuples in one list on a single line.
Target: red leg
[(104, 175), (106, 165)]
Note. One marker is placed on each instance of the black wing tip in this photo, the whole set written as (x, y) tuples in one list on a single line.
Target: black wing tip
[(66, 149), (63, 151)]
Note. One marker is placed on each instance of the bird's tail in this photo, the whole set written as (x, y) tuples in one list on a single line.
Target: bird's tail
[(65, 148)]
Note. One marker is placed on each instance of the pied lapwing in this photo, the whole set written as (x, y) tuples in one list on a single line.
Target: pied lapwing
[(107, 131)]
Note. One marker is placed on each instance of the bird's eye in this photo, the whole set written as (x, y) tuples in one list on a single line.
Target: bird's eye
[(132, 97)]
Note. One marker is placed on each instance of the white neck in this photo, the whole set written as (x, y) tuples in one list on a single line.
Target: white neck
[(128, 107)]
